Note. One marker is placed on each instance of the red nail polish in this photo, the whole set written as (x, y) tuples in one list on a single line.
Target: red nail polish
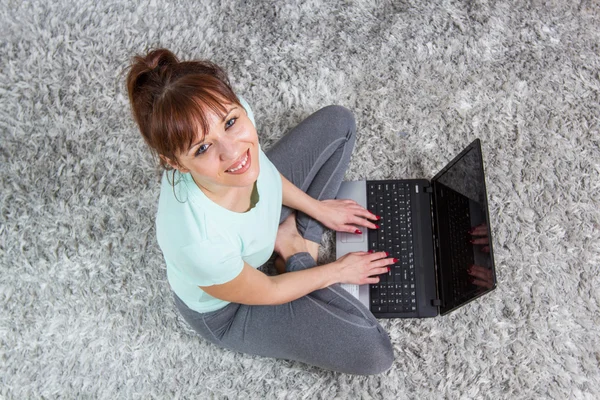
[(378, 217), (389, 269), (370, 251), (376, 226), (395, 260), (357, 232), (387, 254)]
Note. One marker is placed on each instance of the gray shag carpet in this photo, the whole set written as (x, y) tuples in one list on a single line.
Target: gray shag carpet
[(86, 309)]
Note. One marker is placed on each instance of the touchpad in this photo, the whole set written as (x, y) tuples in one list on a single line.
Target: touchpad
[(352, 237)]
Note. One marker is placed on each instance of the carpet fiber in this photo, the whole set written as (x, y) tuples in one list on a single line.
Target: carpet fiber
[(86, 311)]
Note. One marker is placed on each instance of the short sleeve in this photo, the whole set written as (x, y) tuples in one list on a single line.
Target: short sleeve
[(208, 263), (248, 109)]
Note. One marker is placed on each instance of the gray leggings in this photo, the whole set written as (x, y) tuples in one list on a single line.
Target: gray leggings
[(327, 328)]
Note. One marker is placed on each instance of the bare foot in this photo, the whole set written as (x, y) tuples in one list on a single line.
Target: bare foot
[(288, 241), (313, 248)]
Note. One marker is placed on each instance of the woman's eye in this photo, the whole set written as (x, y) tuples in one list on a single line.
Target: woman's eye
[(230, 123), (202, 149)]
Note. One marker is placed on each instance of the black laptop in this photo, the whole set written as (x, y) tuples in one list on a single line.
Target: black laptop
[(426, 225)]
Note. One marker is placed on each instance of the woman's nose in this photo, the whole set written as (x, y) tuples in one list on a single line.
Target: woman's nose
[(230, 150)]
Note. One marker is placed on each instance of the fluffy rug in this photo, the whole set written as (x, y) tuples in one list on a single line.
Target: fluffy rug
[(86, 311)]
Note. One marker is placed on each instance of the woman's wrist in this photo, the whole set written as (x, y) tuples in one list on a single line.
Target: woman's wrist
[(317, 210), (334, 273)]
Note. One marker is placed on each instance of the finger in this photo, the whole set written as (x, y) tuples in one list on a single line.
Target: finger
[(481, 283), (351, 229), (368, 214), (364, 223), (478, 272), (379, 271), (383, 262), (484, 240), (482, 225), (358, 211), (376, 255), (479, 231), (485, 249), (383, 270), (372, 280)]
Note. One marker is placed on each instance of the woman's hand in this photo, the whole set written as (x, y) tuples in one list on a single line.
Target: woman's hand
[(345, 216), (480, 237), (481, 276), (357, 268)]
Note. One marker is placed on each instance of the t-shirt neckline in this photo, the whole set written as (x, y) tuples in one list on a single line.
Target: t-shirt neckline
[(200, 197)]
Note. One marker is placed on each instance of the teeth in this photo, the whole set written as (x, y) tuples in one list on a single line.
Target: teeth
[(244, 161)]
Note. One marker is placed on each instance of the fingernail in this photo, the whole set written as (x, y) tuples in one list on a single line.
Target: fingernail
[(357, 232), (387, 254), (471, 231), (395, 260), (389, 269), (370, 251), (376, 226), (472, 241)]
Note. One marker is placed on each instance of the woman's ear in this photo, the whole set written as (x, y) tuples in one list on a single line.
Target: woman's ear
[(174, 164)]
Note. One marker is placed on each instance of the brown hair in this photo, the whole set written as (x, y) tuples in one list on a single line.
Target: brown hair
[(170, 99)]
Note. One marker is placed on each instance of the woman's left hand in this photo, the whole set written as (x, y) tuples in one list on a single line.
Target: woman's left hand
[(346, 216)]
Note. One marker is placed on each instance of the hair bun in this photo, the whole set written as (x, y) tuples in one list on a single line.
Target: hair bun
[(159, 58), (149, 72)]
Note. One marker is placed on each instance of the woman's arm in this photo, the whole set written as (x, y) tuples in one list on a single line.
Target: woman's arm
[(298, 200), (253, 287), (339, 215)]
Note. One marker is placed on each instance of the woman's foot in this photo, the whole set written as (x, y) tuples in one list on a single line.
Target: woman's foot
[(289, 242), (311, 247)]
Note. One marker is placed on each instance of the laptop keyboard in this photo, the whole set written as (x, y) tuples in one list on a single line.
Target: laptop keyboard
[(395, 291)]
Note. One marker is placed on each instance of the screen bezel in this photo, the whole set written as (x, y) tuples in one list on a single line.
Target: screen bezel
[(476, 144)]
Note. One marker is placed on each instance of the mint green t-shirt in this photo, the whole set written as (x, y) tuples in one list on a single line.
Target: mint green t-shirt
[(204, 244)]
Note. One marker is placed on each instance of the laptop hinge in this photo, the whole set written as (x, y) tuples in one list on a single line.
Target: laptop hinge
[(436, 302)]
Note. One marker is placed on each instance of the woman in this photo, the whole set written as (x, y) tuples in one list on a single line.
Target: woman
[(225, 206)]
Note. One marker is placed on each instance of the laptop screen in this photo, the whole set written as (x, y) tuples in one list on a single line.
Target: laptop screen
[(465, 270)]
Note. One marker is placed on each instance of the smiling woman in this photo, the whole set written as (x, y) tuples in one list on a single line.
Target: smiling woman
[(238, 207)]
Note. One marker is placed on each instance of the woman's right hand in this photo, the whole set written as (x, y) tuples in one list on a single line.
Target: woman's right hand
[(359, 267)]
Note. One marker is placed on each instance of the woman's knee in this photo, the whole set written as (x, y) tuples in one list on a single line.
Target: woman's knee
[(378, 361), (374, 356), (342, 118)]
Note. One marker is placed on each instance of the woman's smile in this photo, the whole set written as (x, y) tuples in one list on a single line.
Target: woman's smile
[(241, 165)]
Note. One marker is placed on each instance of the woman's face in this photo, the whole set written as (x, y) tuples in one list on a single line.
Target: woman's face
[(227, 156)]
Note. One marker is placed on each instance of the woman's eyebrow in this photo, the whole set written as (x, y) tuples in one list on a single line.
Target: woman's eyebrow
[(204, 137), (229, 112)]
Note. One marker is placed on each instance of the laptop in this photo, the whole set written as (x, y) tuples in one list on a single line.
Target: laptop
[(426, 225)]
